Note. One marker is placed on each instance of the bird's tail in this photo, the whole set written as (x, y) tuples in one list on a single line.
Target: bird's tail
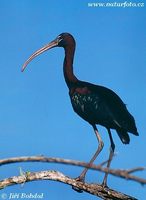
[(123, 136)]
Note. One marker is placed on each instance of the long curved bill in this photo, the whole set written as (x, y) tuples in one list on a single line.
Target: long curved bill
[(52, 44)]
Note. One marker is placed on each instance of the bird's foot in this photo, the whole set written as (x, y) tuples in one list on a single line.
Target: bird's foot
[(104, 185), (80, 179)]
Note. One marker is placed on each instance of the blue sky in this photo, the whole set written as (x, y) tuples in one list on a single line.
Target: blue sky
[(36, 114)]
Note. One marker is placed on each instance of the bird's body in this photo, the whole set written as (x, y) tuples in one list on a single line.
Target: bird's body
[(95, 104), (100, 105)]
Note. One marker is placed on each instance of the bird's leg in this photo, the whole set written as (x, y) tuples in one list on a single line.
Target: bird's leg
[(112, 148), (99, 149)]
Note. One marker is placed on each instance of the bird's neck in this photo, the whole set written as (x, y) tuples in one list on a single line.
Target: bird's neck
[(69, 76)]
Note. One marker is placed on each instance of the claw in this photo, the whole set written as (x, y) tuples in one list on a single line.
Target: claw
[(80, 179), (104, 185)]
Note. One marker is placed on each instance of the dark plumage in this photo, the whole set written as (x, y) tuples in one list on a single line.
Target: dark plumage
[(100, 105), (95, 104)]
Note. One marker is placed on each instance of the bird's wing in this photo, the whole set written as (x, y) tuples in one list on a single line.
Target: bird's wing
[(121, 116)]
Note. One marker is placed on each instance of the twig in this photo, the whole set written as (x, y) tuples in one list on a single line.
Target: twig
[(94, 189), (126, 174)]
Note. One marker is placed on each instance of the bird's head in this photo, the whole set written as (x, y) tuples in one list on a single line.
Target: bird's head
[(62, 40)]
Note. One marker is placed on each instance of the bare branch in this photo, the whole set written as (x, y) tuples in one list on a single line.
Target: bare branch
[(126, 174), (94, 189)]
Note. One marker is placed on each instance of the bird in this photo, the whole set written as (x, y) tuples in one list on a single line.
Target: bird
[(96, 104)]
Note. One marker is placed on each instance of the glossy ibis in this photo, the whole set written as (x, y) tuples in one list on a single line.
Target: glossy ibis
[(94, 103)]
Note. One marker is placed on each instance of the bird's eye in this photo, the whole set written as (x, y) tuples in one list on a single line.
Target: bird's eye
[(60, 38)]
